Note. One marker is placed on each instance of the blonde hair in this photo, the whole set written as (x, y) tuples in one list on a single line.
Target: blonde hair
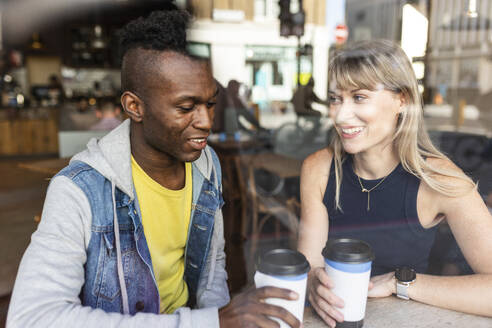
[(367, 64)]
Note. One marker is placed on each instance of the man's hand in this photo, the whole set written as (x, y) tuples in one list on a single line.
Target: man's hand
[(248, 309)]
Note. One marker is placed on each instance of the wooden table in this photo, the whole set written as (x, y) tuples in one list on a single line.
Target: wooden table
[(393, 312), (283, 166), (48, 166)]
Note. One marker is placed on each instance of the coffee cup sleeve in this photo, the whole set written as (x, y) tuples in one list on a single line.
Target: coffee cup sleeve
[(296, 307)]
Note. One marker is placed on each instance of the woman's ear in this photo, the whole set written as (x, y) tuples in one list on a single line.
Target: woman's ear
[(132, 105), (402, 103)]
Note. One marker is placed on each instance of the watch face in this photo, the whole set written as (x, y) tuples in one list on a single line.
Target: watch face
[(405, 274)]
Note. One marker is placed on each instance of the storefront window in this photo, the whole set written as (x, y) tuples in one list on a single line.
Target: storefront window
[(271, 72), (276, 122)]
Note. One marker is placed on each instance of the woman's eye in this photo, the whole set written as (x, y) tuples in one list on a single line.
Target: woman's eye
[(211, 104), (359, 98), (334, 100)]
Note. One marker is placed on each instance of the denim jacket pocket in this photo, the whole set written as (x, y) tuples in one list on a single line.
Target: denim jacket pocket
[(107, 286)]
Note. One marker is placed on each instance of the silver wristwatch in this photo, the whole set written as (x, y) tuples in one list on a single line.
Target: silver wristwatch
[(404, 276)]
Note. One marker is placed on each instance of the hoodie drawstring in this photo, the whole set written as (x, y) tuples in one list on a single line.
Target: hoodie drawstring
[(214, 249), (121, 276)]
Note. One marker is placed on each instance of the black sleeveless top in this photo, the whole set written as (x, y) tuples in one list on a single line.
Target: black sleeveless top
[(391, 226)]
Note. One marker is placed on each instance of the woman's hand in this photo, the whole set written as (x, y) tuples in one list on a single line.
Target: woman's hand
[(322, 299), (382, 285)]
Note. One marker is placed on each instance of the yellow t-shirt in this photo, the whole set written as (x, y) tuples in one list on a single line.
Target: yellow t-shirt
[(165, 218)]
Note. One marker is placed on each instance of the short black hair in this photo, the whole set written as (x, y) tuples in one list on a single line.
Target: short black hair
[(160, 31)]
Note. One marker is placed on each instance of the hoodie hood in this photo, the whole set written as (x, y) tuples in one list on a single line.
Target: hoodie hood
[(111, 157)]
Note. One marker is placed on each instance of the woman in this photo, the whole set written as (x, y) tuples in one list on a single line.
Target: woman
[(381, 180)]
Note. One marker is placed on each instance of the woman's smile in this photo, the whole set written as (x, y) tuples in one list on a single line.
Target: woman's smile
[(351, 132)]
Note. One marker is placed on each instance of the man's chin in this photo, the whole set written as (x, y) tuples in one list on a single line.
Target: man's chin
[(191, 157)]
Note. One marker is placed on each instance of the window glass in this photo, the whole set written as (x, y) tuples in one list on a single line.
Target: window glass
[(199, 49)]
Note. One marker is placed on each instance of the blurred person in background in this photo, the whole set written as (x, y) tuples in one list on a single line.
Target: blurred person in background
[(218, 125), (238, 102), (131, 233), (303, 100), (82, 105), (232, 104), (55, 90), (108, 114), (381, 180), (238, 98)]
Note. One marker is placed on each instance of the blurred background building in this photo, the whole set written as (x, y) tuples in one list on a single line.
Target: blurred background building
[(244, 43)]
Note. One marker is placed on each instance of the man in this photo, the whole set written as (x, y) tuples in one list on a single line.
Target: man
[(303, 99), (108, 114), (240, 106), (131, 231)]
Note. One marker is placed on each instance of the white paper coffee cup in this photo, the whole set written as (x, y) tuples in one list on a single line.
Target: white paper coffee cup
[(348, 263), (284, 268)]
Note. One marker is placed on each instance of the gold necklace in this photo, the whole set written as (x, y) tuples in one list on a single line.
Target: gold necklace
[(369, 190)]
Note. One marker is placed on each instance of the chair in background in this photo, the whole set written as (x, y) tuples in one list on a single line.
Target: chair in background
[(268, 206)]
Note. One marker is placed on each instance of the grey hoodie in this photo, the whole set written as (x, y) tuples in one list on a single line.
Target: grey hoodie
[(51, 273)]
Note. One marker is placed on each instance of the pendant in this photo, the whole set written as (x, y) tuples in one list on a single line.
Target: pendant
[(368, 193)]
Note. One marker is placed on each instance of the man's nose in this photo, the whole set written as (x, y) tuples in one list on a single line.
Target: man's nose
[(203, 118)]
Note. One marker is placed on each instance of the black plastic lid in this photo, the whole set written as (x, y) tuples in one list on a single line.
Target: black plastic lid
[(348, 251), (282, 262)]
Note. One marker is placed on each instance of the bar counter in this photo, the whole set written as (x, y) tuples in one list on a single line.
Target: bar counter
[(28, 131)]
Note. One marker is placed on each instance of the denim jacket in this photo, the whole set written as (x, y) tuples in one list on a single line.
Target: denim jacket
[(90, 252)]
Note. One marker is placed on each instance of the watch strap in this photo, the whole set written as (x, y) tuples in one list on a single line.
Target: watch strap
[(402, 290)]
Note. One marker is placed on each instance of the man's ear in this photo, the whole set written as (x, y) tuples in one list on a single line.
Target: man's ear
[(132, 105)]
